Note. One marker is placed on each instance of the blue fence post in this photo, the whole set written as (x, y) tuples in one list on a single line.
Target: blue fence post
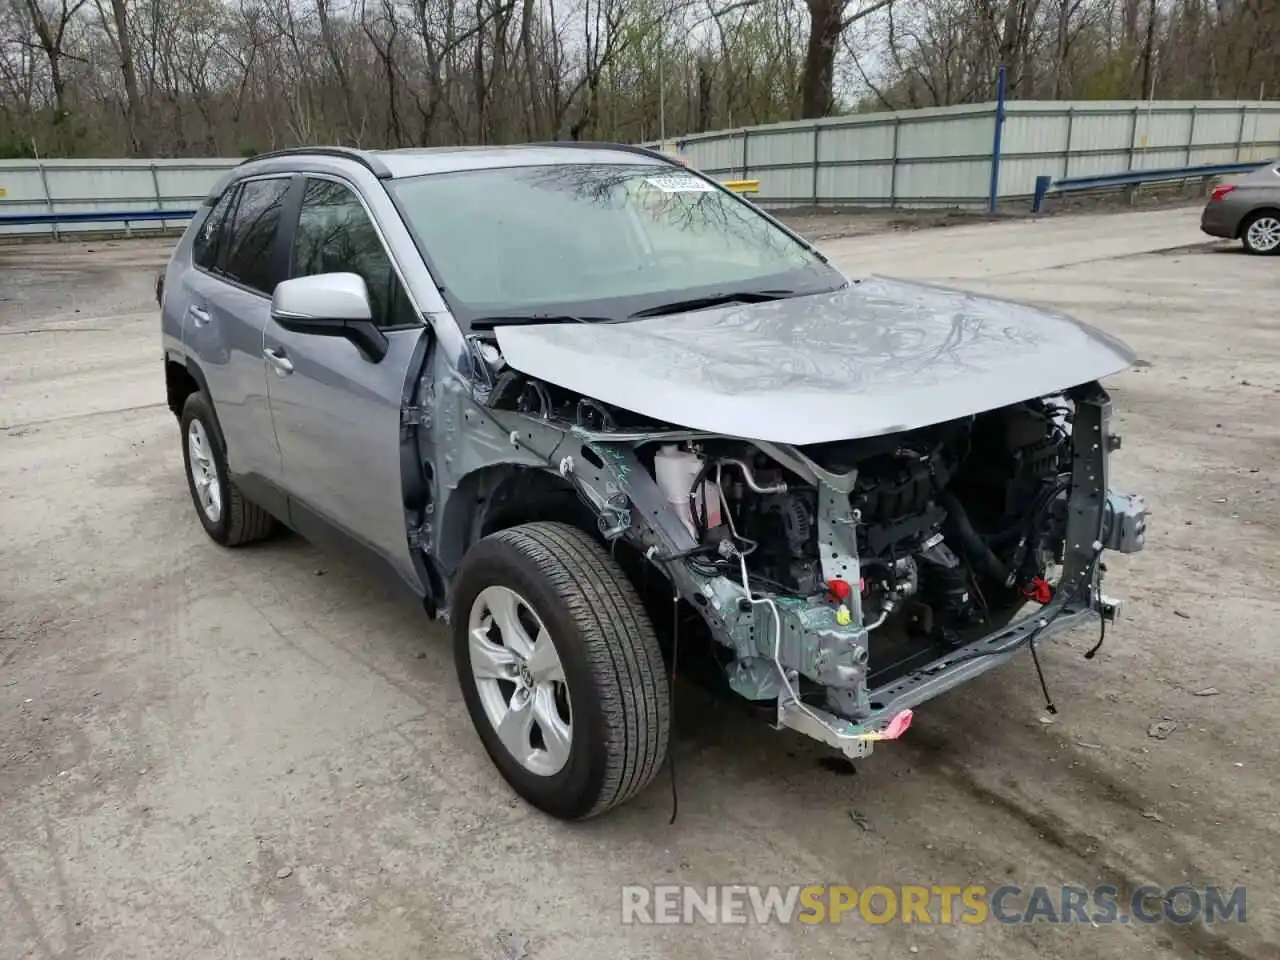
[(1042, 187), (996, 143)]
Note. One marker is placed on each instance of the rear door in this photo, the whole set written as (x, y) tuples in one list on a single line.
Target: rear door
[(239, 256), (337, 414)]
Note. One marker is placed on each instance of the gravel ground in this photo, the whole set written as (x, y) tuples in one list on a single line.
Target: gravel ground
[(823, 225), (262, 753)]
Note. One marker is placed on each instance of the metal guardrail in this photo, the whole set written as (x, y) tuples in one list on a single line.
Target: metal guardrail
[(93, 216), (143, 216), (1047, 186)]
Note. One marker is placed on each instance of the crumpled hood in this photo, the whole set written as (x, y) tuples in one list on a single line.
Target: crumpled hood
[(876, 357)]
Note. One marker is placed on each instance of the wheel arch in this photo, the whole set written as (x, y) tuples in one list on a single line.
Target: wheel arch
[(499, 496), (183, 377)]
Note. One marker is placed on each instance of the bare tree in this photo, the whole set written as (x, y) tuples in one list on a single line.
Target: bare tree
[(227, 77), (49, 22), (828, 21)]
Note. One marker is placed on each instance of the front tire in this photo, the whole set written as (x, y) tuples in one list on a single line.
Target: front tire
[(226, 515), (1260, 234), (560, 669)]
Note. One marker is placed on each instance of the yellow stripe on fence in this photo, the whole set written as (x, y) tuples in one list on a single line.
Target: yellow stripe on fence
[(742, 186)]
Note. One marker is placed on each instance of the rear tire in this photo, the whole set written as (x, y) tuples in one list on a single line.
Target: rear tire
[(567, 590), (1260, 233), (226, 515)]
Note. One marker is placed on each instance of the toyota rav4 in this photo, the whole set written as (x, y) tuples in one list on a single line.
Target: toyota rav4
[(604, 417)]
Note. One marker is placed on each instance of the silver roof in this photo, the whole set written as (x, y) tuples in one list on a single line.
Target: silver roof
[(412, 162)]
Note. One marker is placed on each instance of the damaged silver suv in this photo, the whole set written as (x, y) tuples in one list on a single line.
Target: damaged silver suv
[(610, 420)]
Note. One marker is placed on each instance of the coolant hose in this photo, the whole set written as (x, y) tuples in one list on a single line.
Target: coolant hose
[(971, 545), (700, 518)]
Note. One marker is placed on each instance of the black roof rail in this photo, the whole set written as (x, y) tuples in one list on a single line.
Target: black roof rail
[(366, 160)]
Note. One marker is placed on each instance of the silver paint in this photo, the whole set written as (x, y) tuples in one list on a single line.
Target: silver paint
[(875, 357)]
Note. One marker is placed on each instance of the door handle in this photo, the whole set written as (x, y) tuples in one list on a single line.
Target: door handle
[(282, 364), (198, 315)]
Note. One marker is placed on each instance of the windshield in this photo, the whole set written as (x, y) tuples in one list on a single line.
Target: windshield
[(597, 241)]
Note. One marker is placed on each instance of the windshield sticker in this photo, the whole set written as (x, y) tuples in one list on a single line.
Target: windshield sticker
[(679, 183)]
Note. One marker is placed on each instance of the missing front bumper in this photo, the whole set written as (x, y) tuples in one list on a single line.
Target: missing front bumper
[(1099, 519), (890, 703)]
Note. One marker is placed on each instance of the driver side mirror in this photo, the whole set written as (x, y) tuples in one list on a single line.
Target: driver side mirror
[(330, 305)]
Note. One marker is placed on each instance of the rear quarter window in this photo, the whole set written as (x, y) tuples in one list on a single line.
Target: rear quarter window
[(246, 249), (204, 247)]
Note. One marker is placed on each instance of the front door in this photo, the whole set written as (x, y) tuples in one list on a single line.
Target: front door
[(336, 413)]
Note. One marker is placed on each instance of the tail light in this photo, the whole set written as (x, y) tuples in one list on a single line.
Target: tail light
[(1221, 191)]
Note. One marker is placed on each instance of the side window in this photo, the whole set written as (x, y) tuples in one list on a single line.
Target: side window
[(204, 247), (335, 235), (245, 253)]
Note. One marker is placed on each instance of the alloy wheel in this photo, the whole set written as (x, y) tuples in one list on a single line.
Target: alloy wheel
[(1264, 234), (520, 680), (203, 472)]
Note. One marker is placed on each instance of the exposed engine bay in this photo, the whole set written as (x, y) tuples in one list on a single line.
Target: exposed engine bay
[(955, 525), (848, 582)]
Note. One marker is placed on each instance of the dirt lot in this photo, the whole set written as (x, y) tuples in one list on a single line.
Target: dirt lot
[(260, 753)]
